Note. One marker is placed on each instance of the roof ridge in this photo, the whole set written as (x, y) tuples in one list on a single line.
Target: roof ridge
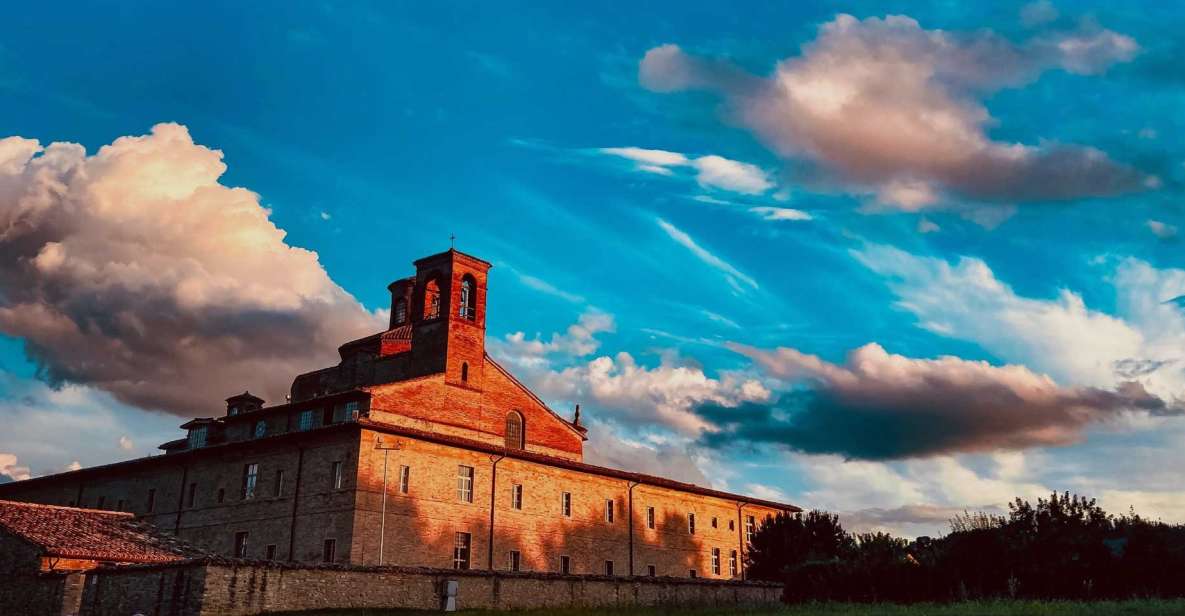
[(121, 514)]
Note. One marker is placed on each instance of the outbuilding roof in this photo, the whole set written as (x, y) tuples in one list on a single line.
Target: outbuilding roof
[(90, 534)]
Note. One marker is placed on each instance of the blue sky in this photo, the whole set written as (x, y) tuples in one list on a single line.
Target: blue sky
[(695, 187)]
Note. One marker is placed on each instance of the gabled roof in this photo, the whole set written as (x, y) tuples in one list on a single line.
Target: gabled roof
[(90, 534), (497, 366)]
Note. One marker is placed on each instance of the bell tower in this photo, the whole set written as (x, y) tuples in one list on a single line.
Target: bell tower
[(448, 317)]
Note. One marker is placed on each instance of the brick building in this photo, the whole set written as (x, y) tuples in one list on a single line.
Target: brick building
[(416, 449)]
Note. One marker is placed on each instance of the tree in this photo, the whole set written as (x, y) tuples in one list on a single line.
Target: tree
[(789, 540)]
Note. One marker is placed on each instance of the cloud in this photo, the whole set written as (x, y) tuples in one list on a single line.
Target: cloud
[(135, 271), (612, 446), (1060, 336), (880, 406), (927, 226), (10, 470), (578, 340), (734, 276), (780, 213), (711, 171), (126, 443), (1162, 230), (887, 107), (1038, 13)]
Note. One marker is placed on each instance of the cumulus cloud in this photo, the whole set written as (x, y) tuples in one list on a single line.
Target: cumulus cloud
[(612, 446), (884, 406), (126, 443), (735, 277), (579, 340), (897, 110), (134, 270), (1060, 336), (10, 470), (1162, 230), (711, 171)]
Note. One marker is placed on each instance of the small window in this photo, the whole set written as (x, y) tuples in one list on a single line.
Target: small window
[(278, 488), (151, 505), (732, 525), (516, 497), (461, 551), (692, 574), (650, 517), (189, 498), (515, 560), (651, 570), (260, 429), (732, 563), (465, 484), (465, 372), (197, 437), (404, 479), (221, 495), (750, 528), (307, 417), (691, 523), (329, 551), (715, 561), (565, 564), (119, 505), (714, 522), (566, 504), (609, 511), (467, 310), (269, 552), (608, 567), (431, 299), (234, 410), (240, 544), (400, 311), (336, 472), (514, 430), (250, 478), (101, 503)]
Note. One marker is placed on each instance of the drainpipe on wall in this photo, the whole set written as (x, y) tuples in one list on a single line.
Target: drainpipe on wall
[(493, 494), (180, 500), (741, 540), (632, 485), (295, 499)]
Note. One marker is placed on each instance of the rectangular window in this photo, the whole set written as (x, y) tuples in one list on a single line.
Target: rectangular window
[(461, 551), (221, 495), (351, 409), (715, 561), (119, 505), (731, 525), (329, 551), (516, 496), (189, 498), (515, 560), (566, 504), (240, 544), (336, 475), (651, 570), (565, 564), (404, 479), (269, 552), (714, 522), (691, 523), (692, 574), (278, 488), (306, 419), (101, 502), (250, 478), (650, 517), (609, 511), (151, 505), (197, 437), (465, 484), (750, 528), (732, 563), (608, 567)]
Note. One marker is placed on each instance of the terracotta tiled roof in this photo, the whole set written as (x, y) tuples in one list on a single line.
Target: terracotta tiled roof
[(90, 534)]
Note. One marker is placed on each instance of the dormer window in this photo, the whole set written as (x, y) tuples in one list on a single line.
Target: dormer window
[(400, 311), (197, 437), (467, 309), (234, 410)]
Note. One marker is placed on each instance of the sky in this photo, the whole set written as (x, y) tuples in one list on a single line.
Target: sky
[(896, 260)]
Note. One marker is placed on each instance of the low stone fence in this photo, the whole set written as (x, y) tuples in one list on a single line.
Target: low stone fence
[(212, 588)]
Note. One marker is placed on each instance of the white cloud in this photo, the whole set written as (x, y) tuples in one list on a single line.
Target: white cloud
[(711, 171), (780, 213), (887, 107), (579, 340), (126, 443), (927, 226), (10, 470), (325, 216), (732, 274), (135, 271), (1162, 230)]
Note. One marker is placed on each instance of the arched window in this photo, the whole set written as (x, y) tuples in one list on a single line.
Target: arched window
[(467, 309), (400, 311), (431, 299), (465, 372), (515, 434)]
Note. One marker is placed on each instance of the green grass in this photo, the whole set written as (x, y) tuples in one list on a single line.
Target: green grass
[(970, 608)]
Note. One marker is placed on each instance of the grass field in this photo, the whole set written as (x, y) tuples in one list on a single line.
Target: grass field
[(991, 608)]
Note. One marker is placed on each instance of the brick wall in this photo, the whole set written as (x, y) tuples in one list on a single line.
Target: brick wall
[(199, 589)]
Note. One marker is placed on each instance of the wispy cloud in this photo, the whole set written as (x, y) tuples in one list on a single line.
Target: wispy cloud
[(733, 275), (542, 286), (711, 171)]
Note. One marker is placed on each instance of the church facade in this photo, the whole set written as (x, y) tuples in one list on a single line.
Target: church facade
[(416, 449)]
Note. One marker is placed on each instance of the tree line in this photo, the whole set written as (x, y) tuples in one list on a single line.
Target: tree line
[(1063, 547)]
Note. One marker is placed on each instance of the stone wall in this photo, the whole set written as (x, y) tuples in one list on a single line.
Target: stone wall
[(218, 589)]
